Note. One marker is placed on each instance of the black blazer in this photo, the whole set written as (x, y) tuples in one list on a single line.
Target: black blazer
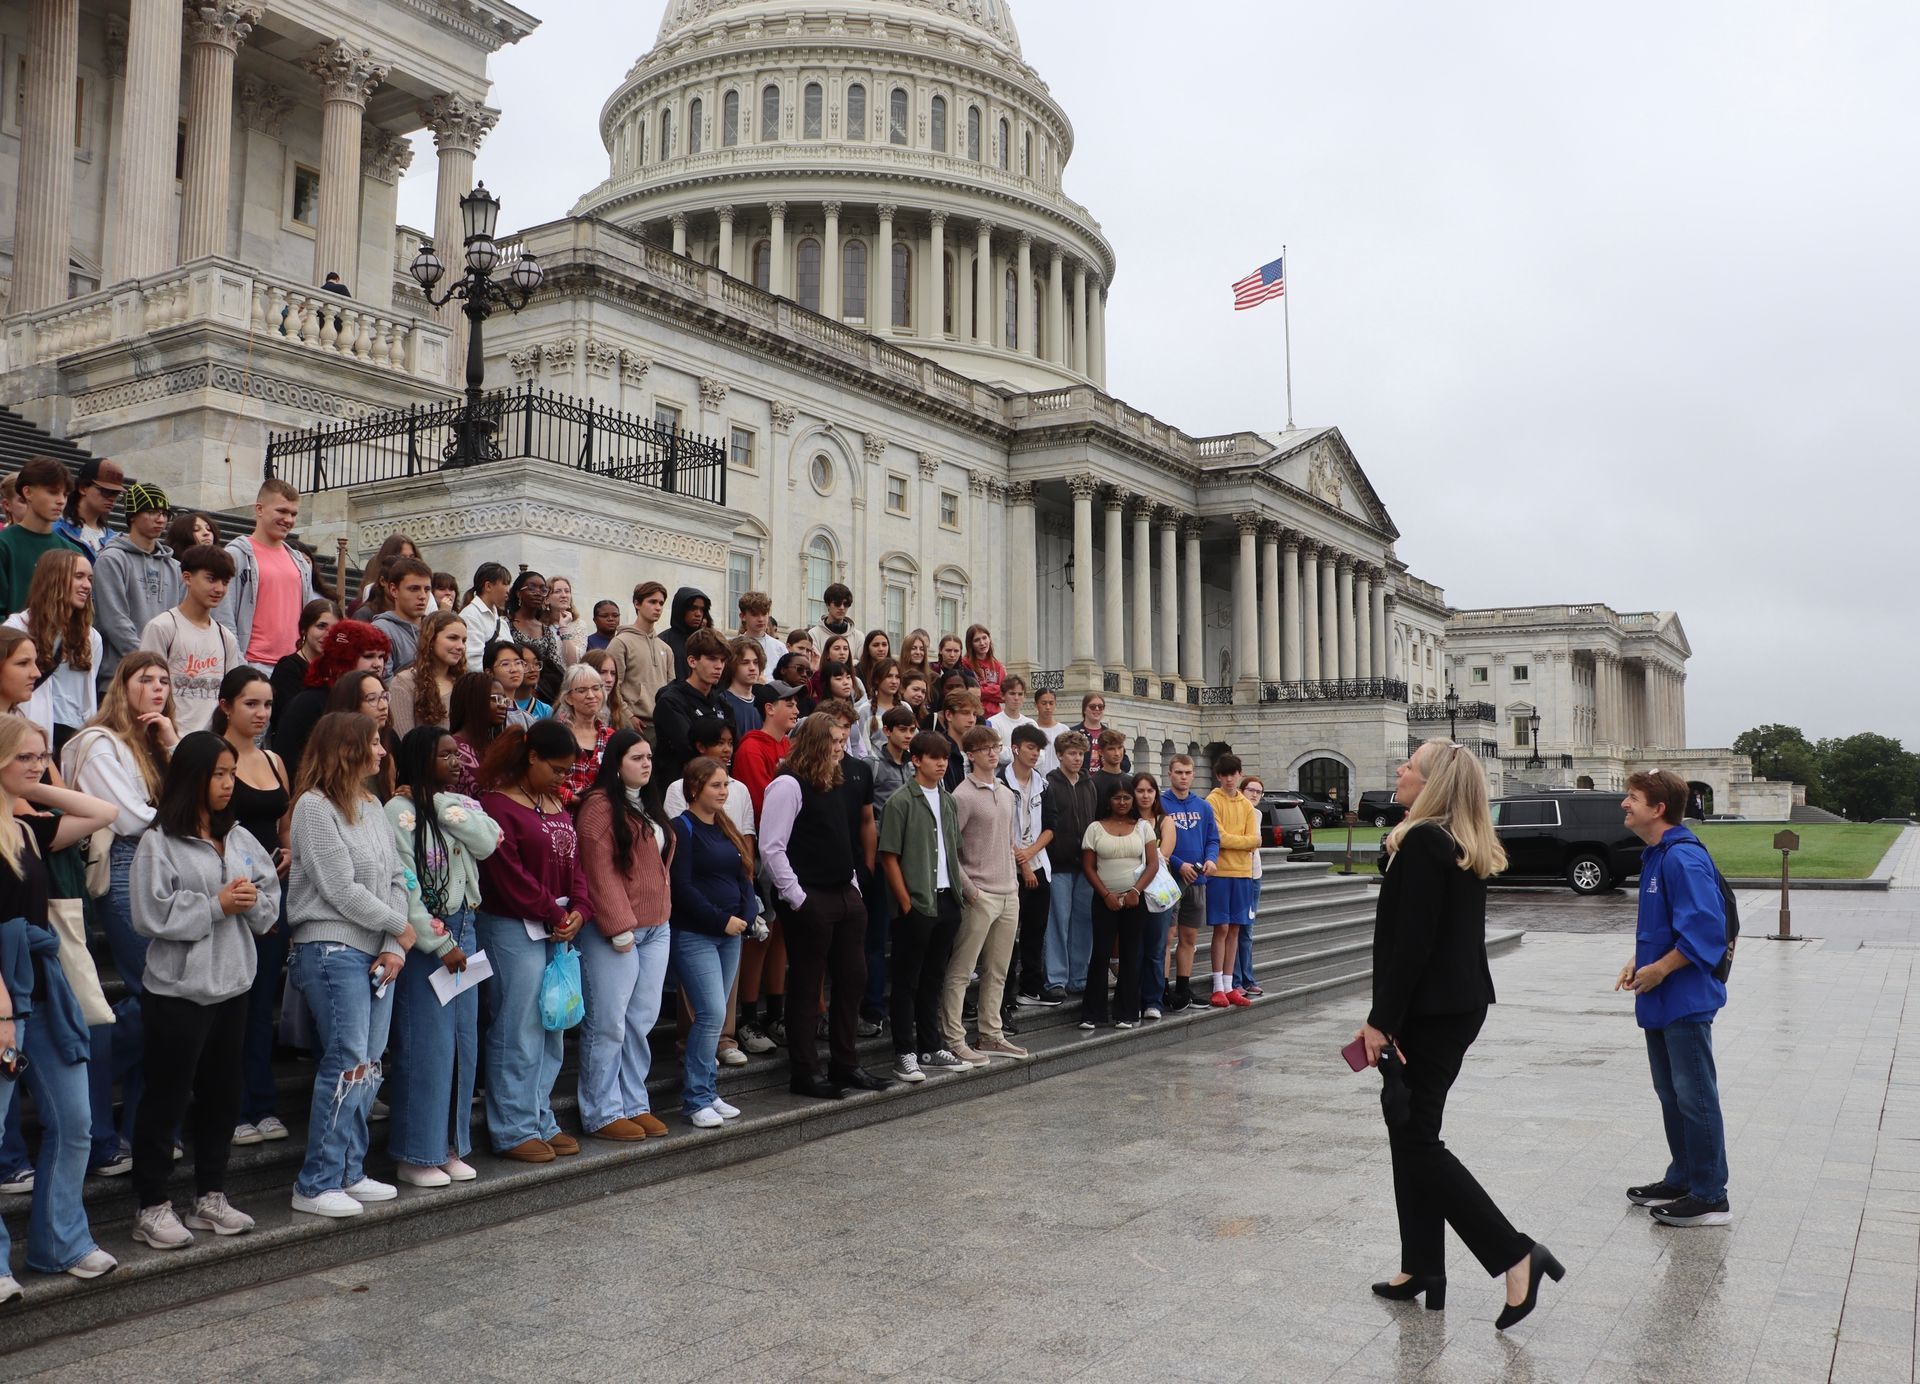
[(1429, 934)]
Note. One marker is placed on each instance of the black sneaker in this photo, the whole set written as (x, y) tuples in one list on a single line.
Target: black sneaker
[(1691, 1211), (1653, 1193), (1007, 1026), (1053, 996)]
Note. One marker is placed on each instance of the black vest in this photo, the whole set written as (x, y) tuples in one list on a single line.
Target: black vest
[(821, 847)]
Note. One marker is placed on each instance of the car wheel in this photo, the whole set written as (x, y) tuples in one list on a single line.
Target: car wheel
[(1587, 874), (1379, 819)]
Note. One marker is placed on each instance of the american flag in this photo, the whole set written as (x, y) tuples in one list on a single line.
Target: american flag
[(1268, 281)]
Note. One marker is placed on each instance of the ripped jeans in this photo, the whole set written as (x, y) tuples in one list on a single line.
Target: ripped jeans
[(336, 982)]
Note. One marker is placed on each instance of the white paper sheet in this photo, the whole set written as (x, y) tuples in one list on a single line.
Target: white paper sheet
[(446, 984)]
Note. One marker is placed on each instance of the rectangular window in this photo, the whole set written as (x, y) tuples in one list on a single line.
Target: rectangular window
[(896, 615), (1522, 673), (949, 510), (666, 416), (896, 494), (740, 450), (948, 608), (1520, 732), (739, 578), (306, 196), (180, 152), (1477, 676)]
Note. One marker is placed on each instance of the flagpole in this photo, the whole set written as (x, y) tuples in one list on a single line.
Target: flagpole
[(1286, 316)]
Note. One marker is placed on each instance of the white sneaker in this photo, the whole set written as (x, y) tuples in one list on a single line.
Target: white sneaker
[(1151, 1012), (378, 1113), (159, 1227), (329, 1203), (370, 1189), (727, 1112), (906, 1067), (244, 1133), (93, 1265), (214, 1212), (732, 1057), (10, 1288), (944, 1060), (272, 1127), (415, 1176), (706, 1119), (970, 1057), (459, 1170)]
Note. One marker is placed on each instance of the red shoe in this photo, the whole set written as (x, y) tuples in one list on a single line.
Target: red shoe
[(1239, 997), (1219, 1000)]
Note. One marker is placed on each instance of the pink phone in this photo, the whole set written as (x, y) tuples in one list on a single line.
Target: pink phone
[(1356, 1054)]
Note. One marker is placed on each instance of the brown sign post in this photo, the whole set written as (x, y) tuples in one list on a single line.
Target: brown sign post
[(1786, 842)]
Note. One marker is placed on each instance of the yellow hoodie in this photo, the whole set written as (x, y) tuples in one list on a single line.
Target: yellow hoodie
[(1239, 833)]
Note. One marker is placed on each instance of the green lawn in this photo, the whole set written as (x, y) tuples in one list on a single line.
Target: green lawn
[(1828, 850)]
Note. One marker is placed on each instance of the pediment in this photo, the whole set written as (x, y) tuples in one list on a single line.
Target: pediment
[(1322, 465)]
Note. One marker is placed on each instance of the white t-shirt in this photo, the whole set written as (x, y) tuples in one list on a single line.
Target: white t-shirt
[(1002, 725), (67, 696), (940, 881), (1049, 761)]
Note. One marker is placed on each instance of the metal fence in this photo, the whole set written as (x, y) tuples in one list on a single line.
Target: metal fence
[(1336, 690), (524, 423), (1437, 711)]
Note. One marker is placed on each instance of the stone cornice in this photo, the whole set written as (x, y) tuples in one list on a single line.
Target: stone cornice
[(489, 24)]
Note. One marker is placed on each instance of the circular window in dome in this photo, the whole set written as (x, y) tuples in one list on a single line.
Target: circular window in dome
[(821, 473)]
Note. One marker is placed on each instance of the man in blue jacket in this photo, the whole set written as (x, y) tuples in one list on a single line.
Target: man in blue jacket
[(1196, 850), (1681, 937)]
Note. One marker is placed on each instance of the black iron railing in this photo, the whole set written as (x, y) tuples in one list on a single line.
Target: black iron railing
[(1210, 696), (1110, 682), (1437, 711), (1140, 687), (1486, 749), (1338, 690), (1166, 691), (1049, 680), (524, 423)]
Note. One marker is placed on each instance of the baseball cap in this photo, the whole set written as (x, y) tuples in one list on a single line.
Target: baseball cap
[(778, 691)]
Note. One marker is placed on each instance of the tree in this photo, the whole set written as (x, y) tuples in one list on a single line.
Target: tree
[(1783, 754), (1868, 776)]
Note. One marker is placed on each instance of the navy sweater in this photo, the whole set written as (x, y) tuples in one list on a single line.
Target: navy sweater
[(709, 885)]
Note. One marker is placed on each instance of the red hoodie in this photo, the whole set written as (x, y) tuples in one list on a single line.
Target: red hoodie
[(756, 759)]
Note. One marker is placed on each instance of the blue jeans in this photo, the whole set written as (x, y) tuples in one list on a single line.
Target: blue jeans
[(1153, 959), (622, 993), (523, 1059), (1681, 1055), (706, 967), (256, 1060), (435, 1045), (351, 1025), (119, 1049), (57, 1233), (1069, 931)]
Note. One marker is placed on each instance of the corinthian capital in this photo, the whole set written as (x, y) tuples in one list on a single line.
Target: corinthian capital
[(384, 154), (345, 73), (220, 22), (458, 124)]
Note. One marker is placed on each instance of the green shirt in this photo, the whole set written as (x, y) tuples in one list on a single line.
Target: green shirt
[(907, 830), (20, 551)]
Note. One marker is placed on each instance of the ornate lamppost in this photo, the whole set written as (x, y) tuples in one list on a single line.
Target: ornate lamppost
[(1453, 714), (479, 292), (1533, 738)]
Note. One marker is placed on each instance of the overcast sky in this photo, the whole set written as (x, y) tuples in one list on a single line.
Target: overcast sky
[(1613, 304)]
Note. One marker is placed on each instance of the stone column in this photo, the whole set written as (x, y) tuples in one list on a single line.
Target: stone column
[(1603, 698), (1246, 612), (777, 247), (347, 77), (1363, 622), (1680, 708), (1311, 667), (1167, 524), (678, 222), (1083, 659), (983, 283), (458, 126), (1290, 608), (1343, 616), (1382, 636), (725, 212), (1143, 591), (1097, 334), (935, 327), (149, 116), (1269, 603), (1056, 307), (214, 33), (1329, 615), (43, 215), (1193, 646), (1024, 291), (830, 264), (1384, 622), (1113, 651), (1080, 318), (1023, 615)]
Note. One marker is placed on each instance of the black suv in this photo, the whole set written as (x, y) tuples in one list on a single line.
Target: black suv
[(1378, 808), (1283, 824), (1578, 837), (1321, 812)]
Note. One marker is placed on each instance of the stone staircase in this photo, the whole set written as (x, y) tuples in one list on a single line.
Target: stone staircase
[(1313, 934)]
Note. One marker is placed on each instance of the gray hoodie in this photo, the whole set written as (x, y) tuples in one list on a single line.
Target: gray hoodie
[(200, 953), (405, 638), (130, 587)]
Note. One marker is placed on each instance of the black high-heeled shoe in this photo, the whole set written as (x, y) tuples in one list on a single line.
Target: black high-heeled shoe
[(1433, 1285), (1539, 1259)]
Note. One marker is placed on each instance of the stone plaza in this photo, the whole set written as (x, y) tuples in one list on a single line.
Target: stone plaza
[(1062, 1231)]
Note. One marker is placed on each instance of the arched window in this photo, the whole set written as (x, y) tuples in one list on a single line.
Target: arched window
[(666, 134), (640, 142), (973, 133), (730, 119), (946, 294), (902, 285), (897, 116), (696, 115), (940, 124), (1013, 310), (812, 112), (857, 111), (807, 274), (853, 280), (1006, 147), (1026, 153), (769, 114), (818, 574), (762, 265)]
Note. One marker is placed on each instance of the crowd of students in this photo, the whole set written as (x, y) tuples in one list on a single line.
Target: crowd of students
[(287, 817)]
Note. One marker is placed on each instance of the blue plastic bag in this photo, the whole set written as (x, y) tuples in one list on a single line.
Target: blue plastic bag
[(561, 1004)]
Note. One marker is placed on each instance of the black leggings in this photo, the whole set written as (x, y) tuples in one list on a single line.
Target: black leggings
[(193, 1052), (1129, 925)]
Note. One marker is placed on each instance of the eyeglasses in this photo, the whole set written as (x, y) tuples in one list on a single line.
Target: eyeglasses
[(374, 699), (29, 759)]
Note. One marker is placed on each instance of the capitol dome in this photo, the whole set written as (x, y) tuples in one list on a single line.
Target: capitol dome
[(892, 164)]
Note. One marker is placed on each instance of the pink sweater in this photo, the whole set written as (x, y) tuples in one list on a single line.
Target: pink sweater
[(623, 902)]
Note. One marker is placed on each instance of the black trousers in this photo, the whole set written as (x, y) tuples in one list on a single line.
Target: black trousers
[(922, 945), (826, 941), (1431, 1188), (193, 1051), (1028, 974), (1128, 925)]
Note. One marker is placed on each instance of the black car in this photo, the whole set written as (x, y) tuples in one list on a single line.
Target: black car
[(1578, 837), (1283, 824), (1378, 808), (1321, 812)]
